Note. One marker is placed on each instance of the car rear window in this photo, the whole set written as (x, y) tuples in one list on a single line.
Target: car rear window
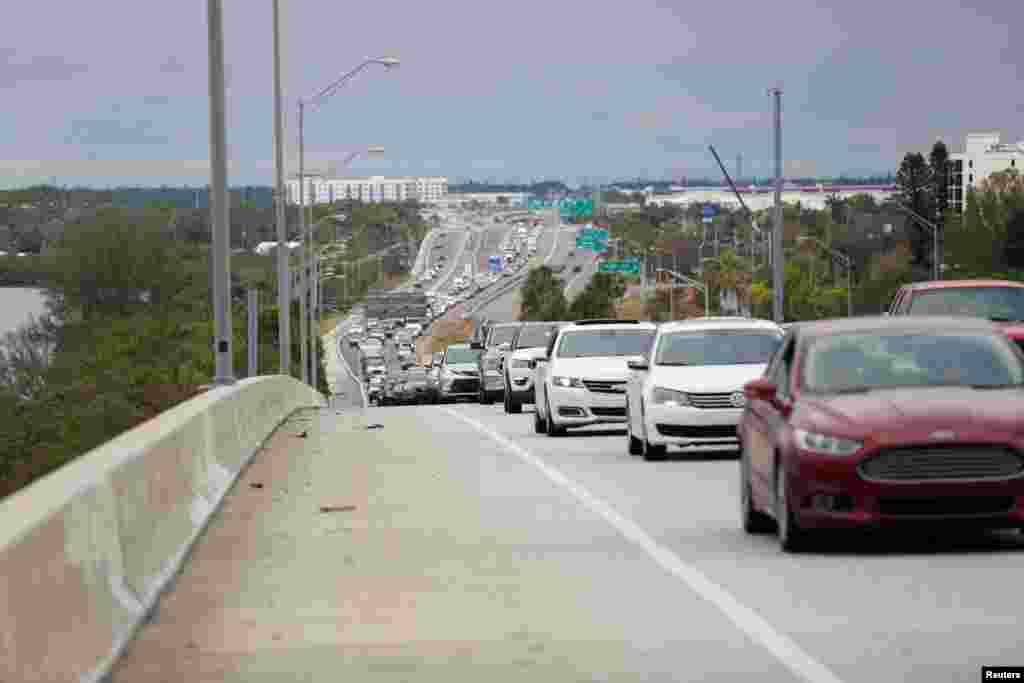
[(502, 335), (994, 303), (859, 362), (462, 355), (535, 336), (602, 343)]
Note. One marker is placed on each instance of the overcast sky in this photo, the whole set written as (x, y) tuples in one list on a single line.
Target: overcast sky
[(522, 90)]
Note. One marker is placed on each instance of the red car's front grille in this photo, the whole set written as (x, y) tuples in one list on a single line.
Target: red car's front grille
[(951, 506), (929, 463)]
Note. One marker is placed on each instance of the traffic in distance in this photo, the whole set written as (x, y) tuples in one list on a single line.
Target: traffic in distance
[(912, 418)]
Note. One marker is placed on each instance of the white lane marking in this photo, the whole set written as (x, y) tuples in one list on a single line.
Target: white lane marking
[(348, 369), (744, 618), (554, 243)]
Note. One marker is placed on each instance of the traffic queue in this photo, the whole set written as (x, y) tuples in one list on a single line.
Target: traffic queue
[(911, 417)]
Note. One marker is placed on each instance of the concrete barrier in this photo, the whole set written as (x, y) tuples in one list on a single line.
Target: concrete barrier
[(86, 551)]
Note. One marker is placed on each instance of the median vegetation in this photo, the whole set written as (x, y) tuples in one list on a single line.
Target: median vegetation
[(885, 247)]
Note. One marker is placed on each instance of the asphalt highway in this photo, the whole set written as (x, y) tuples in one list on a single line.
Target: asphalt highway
[(472, 549)]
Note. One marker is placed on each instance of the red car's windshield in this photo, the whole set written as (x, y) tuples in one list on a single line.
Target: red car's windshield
[(995, 303), (859, 362)]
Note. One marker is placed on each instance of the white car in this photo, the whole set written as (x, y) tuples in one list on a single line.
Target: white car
[(530, 343), (689, 391), (582, 379)]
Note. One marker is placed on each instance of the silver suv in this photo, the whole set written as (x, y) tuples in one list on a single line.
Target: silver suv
[(459, 375)]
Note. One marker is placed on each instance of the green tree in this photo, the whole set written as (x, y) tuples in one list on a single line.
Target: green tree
[(916, 185), (938, 161), (599, 298), (114, 263), (543, 296), (1015, 241)]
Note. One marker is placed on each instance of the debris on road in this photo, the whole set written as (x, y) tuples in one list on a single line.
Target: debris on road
[(255, 485), (337, 508), (375, 426)]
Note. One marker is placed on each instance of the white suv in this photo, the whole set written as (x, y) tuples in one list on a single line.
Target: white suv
[(689, 392), (582, 378)]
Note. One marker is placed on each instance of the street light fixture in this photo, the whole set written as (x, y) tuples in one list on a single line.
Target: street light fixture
[(844, 260), (308, 339)]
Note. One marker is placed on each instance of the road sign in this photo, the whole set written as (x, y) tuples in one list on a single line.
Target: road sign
[(708, 219), (495, 264), (592, 238), (626, 266), (576, 208), (710, 211)]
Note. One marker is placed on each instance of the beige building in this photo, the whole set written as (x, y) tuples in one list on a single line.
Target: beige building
[(983, 155)]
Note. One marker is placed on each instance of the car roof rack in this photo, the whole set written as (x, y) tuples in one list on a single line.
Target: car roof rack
[(606, 321)]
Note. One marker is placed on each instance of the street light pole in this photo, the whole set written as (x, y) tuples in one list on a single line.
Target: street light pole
[(310, 336), (778, 269), (219, 206), (936, 268), (846, 262), (303, 279), (692, 283), (284, 298)]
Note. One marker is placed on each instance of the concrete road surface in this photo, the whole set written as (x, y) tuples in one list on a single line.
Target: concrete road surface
[(453, 544), (503, 308)]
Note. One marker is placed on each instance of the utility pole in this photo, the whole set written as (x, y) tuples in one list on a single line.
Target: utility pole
[(284, 296), (778, 269), (739, 166), (219, 206)]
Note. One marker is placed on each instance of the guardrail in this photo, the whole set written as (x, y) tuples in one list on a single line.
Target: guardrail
[(86, 551)]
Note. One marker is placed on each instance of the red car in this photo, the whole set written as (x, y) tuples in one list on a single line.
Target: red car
[(1001, 301), (883, 421)]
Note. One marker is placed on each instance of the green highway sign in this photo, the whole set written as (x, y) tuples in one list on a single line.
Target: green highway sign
[(627, 266), (592, 238), (569, 208)]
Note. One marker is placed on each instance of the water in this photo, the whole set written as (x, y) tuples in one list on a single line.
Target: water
[(17, 306)]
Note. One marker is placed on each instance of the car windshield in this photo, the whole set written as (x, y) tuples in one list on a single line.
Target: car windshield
[(462, 354), (601, 343), (535, 336), (502, 335), (862, 362), (716, 348), (994, 303)]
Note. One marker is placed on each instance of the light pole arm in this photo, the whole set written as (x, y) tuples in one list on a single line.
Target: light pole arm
[(688, 281), (333, 87)]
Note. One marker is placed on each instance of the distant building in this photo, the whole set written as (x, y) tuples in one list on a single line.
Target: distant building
[(321, 190), (510, 199), (983, 155)]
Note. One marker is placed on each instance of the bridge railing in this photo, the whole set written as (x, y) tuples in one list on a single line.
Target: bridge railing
[(86, 551)]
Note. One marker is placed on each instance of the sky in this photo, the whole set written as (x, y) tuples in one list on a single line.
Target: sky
[(574, 90)]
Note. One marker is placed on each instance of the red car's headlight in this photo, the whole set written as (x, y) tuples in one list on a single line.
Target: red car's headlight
[(823, 444)]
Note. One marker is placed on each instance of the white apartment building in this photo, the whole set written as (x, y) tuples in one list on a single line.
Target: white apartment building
[(321, 190), (983, 155)]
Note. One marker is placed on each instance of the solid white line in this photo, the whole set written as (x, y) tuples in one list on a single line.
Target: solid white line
[(348, 368), (745, 619)]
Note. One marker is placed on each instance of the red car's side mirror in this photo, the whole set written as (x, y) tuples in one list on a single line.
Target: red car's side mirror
[(760, 389)]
